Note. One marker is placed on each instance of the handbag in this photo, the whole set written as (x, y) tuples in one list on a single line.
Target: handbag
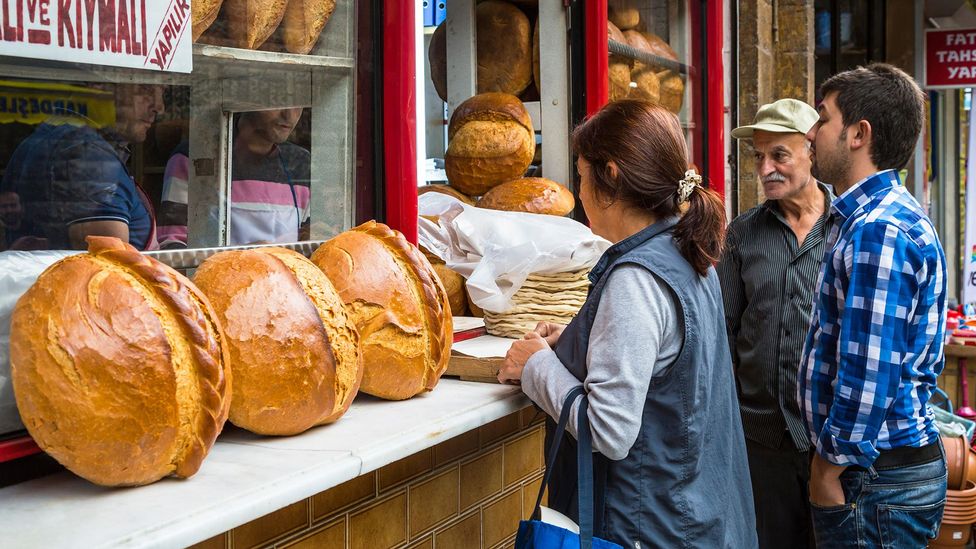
[(536, 534)]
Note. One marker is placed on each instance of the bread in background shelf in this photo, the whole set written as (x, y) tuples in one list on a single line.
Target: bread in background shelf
[(530, 194), (294, 348), (445, 189), (119, 366), (303, 23), (504, 50), (251, 22), (619, 66), (398, 304), (204, 14), (623, 14), (490, 140)]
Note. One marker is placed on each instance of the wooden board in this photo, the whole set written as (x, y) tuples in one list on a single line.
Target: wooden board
[(469, 368)]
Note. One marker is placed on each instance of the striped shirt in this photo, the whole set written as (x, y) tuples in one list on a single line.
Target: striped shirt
[(875, 345), (270, 196), (767, 285)]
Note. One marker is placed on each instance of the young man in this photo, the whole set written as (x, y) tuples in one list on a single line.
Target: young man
[(875, 344), (768, 270)]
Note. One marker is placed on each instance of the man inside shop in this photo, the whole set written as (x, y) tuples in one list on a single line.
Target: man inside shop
[(72, 176), (269, 189), (768, 272)]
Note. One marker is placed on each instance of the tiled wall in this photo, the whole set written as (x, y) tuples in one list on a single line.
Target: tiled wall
[(467, 492)]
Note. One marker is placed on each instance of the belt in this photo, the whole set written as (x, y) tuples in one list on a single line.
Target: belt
[(905, 457)]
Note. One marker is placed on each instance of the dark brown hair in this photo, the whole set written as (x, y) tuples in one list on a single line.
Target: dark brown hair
[(645, 141), (890, 101)]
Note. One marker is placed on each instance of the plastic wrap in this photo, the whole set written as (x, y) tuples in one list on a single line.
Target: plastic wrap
[(18, 271), (495, 251)]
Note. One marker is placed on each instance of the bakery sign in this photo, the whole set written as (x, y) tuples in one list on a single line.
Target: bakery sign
[(950, 58), (143, 34)]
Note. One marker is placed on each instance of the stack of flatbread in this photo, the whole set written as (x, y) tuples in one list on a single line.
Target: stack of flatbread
[(551, 297)]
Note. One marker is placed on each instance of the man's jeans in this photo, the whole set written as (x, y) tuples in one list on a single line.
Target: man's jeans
[(898, 507)]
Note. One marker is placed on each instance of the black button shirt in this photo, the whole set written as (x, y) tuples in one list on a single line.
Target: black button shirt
[(767, 285)]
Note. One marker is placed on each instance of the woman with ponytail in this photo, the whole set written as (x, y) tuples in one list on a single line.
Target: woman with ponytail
[(648, 347)]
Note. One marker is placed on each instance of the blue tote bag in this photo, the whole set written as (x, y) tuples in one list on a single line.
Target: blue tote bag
[(535, 534)]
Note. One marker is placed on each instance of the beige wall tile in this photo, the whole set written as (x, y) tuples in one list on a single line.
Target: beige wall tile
[(501, 518), (481, 478), (426, 543), (465, 534), (523, 456), (344, 495), (382, 526), (408, 467), (332, 536), (260, 531), (433, 501), (499, 429), (216, 542), (530, 491), (456, 448)]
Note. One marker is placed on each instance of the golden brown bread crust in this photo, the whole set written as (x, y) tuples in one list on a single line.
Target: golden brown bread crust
[(530, 194), (672, 91), (119, 367), (445, 189), (303, 23), (654, 82), (623, 14), (437, 58), (294, 348), (491, 141), (251, 22), (619, 72), (399, 306), (452, 281), (204, 14)]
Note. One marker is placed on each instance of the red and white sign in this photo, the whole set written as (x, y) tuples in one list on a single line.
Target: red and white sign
[(950, 58), (143, 34)]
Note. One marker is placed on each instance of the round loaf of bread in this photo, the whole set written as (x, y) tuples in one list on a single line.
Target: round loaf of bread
[(504, 50), (672, 90), (530, 194), (490, 140), (303, 23), (445, 189), (294, 349), (119, 366), (452, 281), (623, 13), (204, 13), (398, 304), (251, 22), (619, 66)]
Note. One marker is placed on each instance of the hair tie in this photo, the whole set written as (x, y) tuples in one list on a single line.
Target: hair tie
[(687, 185)]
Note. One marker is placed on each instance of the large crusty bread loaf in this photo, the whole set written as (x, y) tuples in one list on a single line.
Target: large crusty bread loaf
[(504, 50), (251, 22), (398, 304), (530, 194), (204, 14), (304, 21), (120, 369), (623, 13), (490, 140), (294, 348), (452, 281)]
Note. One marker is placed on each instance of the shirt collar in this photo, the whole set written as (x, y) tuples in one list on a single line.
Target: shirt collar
[(861, 193), (629, 243)]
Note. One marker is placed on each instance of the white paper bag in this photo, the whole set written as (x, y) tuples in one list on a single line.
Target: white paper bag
[(497, 250)]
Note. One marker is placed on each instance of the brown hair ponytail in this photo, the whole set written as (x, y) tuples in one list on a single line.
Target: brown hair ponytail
[(646, 143), (701, 231)]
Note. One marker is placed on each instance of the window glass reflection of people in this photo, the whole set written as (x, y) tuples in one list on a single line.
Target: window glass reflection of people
[(269, 188), (72, 177)]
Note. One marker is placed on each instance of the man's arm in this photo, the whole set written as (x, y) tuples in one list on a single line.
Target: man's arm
[(733, 290), (78, 231), (884, 269)]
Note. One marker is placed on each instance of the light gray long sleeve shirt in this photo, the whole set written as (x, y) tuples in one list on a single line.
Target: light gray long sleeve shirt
[(637, 333)]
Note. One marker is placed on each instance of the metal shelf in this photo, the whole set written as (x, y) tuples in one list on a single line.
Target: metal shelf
[(620, 48), (204, 54)]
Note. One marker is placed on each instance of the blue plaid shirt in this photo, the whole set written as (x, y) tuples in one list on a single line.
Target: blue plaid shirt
[(875, 345)]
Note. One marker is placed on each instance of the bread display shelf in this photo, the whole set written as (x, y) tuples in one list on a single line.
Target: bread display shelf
[(247, 476), (204, 53), (193, 257)]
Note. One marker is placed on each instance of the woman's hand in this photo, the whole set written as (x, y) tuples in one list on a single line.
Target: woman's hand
[(518, 355), (549, 331)]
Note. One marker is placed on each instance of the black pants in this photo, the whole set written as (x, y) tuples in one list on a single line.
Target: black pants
[(780, 478)]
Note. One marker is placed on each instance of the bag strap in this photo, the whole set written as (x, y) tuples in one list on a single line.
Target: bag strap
[(584, 464), (554, 449)]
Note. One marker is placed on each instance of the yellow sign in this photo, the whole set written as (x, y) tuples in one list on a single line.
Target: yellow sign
[(35, 102)]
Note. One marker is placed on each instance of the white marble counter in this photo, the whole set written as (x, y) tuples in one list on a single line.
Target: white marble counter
[(246, 476)]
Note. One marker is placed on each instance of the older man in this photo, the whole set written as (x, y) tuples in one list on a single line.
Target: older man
[(768, 273)]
